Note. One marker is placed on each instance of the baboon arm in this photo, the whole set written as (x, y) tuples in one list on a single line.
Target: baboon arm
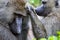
[(38, 28)]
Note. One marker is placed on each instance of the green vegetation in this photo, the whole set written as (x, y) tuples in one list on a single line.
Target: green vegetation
[(35, 2), (34, 39), (52, 37), (43, 39)]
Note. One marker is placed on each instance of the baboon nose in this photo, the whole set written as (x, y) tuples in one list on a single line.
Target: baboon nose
[(19, 24)]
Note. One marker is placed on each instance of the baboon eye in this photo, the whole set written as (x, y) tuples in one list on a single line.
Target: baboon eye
[(44, 2), (56, 4)]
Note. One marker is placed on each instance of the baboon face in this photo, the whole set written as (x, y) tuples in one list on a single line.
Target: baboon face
[(7, 8)]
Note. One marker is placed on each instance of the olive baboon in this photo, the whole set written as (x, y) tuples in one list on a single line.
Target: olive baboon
[(13, 16), (52, 21), (50, 10)]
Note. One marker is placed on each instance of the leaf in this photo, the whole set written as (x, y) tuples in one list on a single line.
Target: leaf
[(52, 38), (58, 32), (35, 2), (58, 37), (34, 39), (43, 39)]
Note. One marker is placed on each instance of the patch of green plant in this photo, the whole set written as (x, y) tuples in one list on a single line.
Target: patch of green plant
[(34, 39), (58, 35), (35, 2), (58, 32), (43, 39), (52, 37)]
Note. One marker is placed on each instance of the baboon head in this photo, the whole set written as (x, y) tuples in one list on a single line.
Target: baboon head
[(45, 8), (50, 3), (7, 8), (20, 4), (20, 7)]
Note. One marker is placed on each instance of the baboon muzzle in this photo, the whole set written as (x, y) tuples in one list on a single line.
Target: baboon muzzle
[(16, 25)]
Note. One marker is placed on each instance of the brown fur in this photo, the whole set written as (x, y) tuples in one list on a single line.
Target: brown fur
[(20, 4)]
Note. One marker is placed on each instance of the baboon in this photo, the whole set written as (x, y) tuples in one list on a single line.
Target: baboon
[(19, 26), (14, 17), (50, 10), (52, 21)]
